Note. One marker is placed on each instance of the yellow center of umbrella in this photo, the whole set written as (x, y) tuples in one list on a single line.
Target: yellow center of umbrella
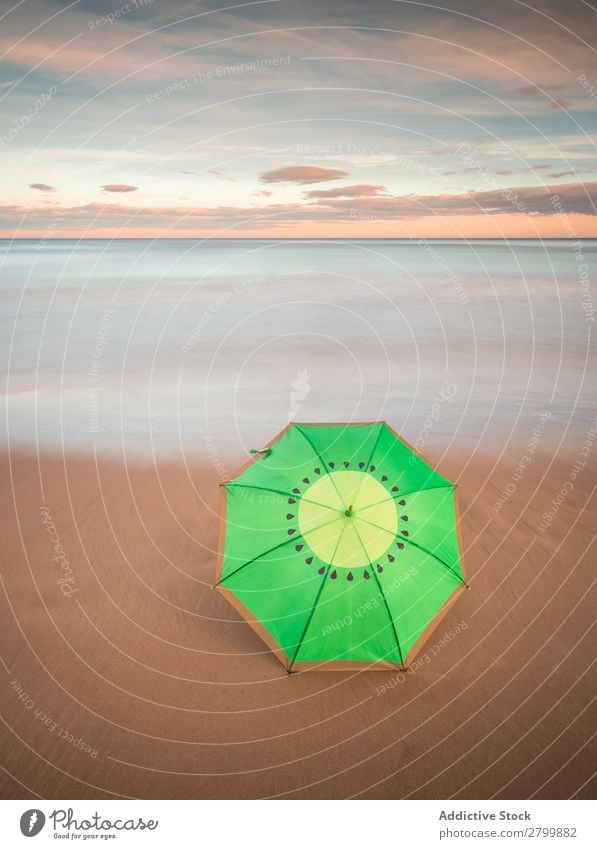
[(348, 519)]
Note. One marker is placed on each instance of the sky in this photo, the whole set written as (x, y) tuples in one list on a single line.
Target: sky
[(291, 118)]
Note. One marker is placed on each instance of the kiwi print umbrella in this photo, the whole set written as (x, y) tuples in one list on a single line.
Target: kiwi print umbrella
[(340, 546)]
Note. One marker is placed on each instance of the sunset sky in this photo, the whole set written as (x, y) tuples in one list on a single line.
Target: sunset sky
[(391, 118)]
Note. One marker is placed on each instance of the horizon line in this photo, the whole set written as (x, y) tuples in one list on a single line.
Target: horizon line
[(298, 238)]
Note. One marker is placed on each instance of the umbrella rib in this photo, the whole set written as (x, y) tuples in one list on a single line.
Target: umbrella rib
[(373, 450), (408, 492), (321, 460), (296, 496), (420, 547), (319, 591), (274, 548), (383, 596)]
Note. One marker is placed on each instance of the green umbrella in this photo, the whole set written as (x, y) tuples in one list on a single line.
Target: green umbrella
[(340, 546)]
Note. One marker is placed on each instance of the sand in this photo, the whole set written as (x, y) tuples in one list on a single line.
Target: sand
[(131, 678)]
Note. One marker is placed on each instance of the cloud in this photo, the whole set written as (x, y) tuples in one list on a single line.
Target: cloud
[(220, 175), (302, 174), (470, 170), (562, 174), (528, 90), (533, 201), (119, 187), (362, 160), (560, 104), (362, 191), (533, 90), (41, 187), (580, 198)]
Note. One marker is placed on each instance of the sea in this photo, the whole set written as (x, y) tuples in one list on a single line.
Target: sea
[(210, 347)]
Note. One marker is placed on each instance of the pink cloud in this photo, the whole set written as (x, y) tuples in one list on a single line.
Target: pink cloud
[(361, 191), (220, 175), (532, 90), (528, 90), (580, 198), (302, 174), (119, 187), (574, 198), (41, 187)]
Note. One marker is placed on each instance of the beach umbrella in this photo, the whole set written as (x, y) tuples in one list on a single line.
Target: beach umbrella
[(340, 546)]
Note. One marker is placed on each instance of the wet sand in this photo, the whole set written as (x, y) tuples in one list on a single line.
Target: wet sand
[(132, 679)]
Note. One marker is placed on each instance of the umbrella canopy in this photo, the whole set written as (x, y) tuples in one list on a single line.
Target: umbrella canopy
[(340, 546)]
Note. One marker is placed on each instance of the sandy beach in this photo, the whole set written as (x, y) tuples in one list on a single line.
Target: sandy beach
[(126, 676)]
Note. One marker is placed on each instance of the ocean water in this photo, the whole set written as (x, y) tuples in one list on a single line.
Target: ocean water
[(213, 346)]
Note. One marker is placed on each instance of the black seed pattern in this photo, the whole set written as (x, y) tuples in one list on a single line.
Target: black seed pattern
[(322, 569)]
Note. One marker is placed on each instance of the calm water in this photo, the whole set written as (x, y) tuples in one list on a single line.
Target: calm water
[(214, 346)]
